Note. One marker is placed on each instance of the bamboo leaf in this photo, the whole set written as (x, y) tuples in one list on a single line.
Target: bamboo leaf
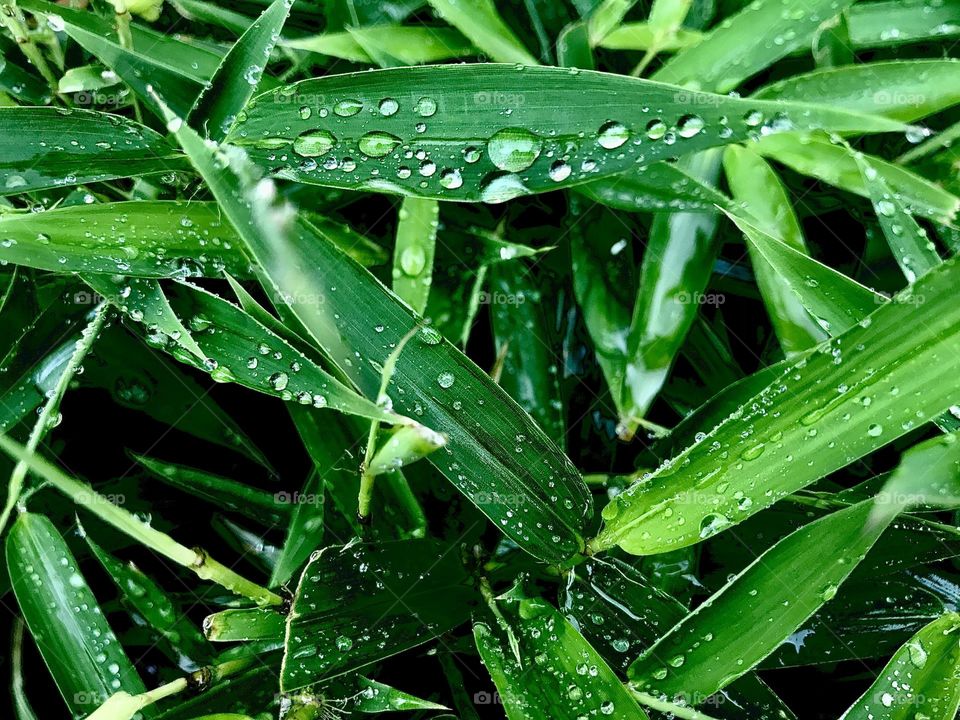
[(832, 408), (750, 616), (920, 679), (414, 250), (356, 129), (80, 649), (232, 86)]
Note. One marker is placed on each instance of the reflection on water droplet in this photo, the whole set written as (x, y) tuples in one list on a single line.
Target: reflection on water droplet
[(471, 154), (560, 171), (451, 179), (378, 144), (347, 108), (514, 149), (412, 260), (689, 125), (314, 143), (612, 135), (445, 379), (425, 107), (753, 118), (388, 107), (500, 187), (656, 129)]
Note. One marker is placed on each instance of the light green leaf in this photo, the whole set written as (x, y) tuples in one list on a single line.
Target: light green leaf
[(928, 475), (921, 679), (832, 407), (480, 22), (758, 609), (407, 44), (640, 36), (902, 89), (757, 188), (746, 43), (898, 22), (817, 156), (414, 251)]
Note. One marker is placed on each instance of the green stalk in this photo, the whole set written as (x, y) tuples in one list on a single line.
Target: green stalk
[(12, 18), (940, 140), (126, 42), (50, 408), (123, 706), (195, 560)]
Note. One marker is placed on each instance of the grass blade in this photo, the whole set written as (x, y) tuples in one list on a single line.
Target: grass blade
[(480, 22), (414, 250)]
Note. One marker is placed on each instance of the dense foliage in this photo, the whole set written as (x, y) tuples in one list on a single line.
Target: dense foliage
[(562, 359)]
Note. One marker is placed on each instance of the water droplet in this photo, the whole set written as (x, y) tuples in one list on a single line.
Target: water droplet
[(560, 171), (753, 118), (445, 379), (378, 144), (344, 643), (347, 108), (314, 143), (278, 381), (412, 260), (451, 179), (612, 135), (305, 113), (689, 125), (656, 129), (514, 149), (425, 107), (388, 107), (875, 430)]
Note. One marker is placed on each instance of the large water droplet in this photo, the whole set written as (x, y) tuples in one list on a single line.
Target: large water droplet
[(514, 149), (378, 144), (612, 135), (314, 143)]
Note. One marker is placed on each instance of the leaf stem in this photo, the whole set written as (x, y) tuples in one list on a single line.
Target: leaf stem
[(12, 18), (195, 560), (126, 42), (84, 343)]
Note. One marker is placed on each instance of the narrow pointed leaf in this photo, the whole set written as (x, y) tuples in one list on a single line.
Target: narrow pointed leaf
[(480, 22), (833, 407), (358, 604), (921, 679), (561, 676), (80, 649), (758, 609), (408, 44), (928, 475), (414, 251), (97, 147), (357, 129), (237, 77)]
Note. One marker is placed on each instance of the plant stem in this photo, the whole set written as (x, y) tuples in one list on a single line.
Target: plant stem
[(197, 561), (12, 18), (126, 42), (87, 338)]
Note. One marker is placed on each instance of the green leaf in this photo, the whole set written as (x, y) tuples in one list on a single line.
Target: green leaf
[(305, 528), (241, 350), (80, 649), (149, 603), (357, 128), (406, 44), (135, 68), (746, 43), (902, 89), (558, 675), (244, 624), (758, 609), (660, 186), (480, 22), (95, 147), (756, 186), (640, 36), (232, 86), (913, 250), (606, 17), (621, 613), (414, 250), (227, 495), (921, 679), (838, 302), (928, 475), (897, 22), (833, 407), (536, 494), (360, 603), (817, 156), (142, 239)]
